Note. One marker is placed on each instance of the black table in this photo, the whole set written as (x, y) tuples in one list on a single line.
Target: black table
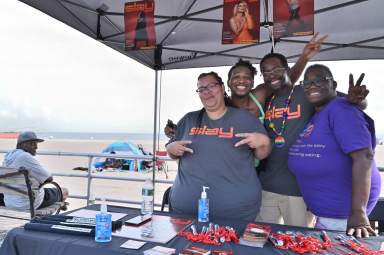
[(22, 242)]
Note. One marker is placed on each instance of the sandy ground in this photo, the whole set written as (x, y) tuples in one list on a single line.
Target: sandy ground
[(108, 188)]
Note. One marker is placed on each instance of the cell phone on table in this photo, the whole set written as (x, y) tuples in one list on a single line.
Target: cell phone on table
[(138, 220)]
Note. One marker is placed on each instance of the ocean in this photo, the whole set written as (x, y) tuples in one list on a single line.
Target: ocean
[(99, 136)]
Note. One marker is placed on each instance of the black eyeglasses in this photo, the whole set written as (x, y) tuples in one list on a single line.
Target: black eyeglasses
[(209, 87), (317, 82)]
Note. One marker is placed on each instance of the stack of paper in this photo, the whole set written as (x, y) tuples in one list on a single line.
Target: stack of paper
[(160, 250)]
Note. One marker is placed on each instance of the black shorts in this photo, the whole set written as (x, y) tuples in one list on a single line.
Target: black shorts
[(51, 196)]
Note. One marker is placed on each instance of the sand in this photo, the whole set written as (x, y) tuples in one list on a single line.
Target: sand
[(126, 190)]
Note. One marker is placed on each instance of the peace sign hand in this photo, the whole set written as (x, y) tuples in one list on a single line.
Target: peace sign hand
[(313, 46), (253, 140), (357, 92)]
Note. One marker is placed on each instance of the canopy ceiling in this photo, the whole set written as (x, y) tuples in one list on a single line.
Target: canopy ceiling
[(188, 32)]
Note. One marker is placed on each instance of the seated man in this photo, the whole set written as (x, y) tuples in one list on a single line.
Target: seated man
[(22, 156)]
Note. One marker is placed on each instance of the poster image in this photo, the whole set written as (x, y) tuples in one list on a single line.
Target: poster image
[(241, 21), (293, 18), (139, 25)]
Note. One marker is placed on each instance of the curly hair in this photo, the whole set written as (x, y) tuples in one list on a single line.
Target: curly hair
[(243, 63), (279, 56)]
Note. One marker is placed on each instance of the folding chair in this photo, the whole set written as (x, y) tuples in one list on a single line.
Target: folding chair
[(19, 182), (166, 201)]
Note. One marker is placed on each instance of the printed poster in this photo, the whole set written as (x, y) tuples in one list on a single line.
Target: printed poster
[(139, 25), (293, 18), (241, 21)]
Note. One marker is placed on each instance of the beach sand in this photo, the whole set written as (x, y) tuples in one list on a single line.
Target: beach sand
[(126, 190)]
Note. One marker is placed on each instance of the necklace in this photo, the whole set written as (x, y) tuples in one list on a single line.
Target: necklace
[(279, 140)]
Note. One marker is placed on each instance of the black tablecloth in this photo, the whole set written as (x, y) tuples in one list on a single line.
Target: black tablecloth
[(22, 242)]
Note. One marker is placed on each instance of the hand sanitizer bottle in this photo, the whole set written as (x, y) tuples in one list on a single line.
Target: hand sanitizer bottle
[(103, 231), (203, 213)]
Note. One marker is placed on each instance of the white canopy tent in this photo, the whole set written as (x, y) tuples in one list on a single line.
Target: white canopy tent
[(188, 32)]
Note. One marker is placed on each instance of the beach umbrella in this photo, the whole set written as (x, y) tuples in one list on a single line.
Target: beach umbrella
[(122, 148), (127, 147)]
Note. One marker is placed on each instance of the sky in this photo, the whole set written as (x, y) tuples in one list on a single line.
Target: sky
[(55, 79)]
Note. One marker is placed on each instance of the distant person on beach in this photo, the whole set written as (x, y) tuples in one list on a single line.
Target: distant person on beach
[(216, 147), (241, 23), (23, 156), (332, 159)]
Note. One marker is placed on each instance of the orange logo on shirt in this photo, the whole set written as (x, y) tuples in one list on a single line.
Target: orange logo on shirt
[(212, 132), (277, 113)]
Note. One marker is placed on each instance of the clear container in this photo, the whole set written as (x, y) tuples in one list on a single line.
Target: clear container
[(103, 229), (147, 198)]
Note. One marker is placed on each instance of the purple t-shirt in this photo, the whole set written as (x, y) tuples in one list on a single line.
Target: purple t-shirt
[(320, 161)]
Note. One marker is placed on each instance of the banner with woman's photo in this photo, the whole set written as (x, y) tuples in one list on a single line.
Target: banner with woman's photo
[(293, 18), (139, 25), (241, 21)]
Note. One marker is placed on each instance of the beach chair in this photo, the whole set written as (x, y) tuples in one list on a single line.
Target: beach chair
[(161, 165), (19, 182)]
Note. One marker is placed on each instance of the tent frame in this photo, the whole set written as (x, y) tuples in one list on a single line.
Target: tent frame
[(101, 13)]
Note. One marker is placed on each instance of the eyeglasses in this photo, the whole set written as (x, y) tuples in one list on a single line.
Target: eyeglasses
[(277, 70), (317, 82), (209, 87)]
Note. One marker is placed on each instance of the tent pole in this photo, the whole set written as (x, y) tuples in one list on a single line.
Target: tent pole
[(155, 114)]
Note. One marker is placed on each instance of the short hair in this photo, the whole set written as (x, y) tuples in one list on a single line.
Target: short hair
[(279, 56), (244, 63), (214, 74), (227, 99), (324, 69)]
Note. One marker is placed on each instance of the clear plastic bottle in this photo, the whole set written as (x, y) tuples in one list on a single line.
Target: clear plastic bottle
[(147, 198), (203, 206), (92, 199), (103, 230)]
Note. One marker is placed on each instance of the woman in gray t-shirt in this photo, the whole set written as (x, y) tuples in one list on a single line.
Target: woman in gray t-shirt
[(216, 147)]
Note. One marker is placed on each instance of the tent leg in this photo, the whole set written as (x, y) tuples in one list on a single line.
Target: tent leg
[(155, 115)]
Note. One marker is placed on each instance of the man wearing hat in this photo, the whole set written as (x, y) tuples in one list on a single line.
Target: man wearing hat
[(23, 156)]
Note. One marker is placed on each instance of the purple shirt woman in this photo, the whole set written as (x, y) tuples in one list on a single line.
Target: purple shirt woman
[(333, 158)]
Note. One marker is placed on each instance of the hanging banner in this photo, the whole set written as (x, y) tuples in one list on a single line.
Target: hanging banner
[(139, 25), (241, 21), (293, 18)]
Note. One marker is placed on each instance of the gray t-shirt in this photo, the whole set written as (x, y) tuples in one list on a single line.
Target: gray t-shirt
[(234, 188), (275, 175)]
